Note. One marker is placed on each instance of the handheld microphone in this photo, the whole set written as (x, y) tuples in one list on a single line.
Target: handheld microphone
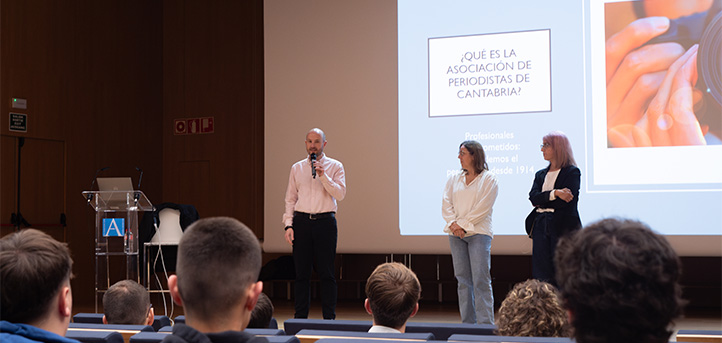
[(313, 165), (92, 184), (136, 196)]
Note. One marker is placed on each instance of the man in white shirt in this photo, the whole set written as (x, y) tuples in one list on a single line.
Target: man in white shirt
[(393, 293), (314, 185)]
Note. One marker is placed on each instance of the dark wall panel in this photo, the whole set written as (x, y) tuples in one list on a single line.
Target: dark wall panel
[(213, 67)]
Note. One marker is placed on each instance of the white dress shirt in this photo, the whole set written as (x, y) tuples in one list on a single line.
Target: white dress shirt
[(470, 206), (319, 195), (383, 329)]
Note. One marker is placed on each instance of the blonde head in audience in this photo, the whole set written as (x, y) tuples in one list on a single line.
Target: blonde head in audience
[(393, 293), (532, 309)]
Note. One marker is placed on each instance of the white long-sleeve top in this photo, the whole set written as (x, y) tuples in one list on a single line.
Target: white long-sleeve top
[(319, 195), (470, 206)]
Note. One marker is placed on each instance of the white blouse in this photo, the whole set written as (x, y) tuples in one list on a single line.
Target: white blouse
[(470, 206)]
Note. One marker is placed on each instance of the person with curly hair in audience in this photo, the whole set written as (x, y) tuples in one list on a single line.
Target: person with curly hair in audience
[(619, 281), (532, 309)]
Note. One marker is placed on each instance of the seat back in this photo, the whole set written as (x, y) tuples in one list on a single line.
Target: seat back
[(94, 336), (311, 336), (514, 339), (294, 325), (442, 331)]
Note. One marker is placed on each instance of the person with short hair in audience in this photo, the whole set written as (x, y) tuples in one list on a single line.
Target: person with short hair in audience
[(37, 301), (619, 281), (262, 314), (532, 309), (393, 293), (127, 302), (216, 282)]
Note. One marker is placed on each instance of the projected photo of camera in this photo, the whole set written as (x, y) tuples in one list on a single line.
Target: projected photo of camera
[(664, 73)]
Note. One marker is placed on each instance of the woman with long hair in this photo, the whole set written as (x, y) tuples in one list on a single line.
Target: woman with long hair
[(466, 207)]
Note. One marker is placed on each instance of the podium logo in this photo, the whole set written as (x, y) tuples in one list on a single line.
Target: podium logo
[(113, 227)]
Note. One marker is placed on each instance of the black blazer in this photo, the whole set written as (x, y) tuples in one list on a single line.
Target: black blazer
[(566, 215)]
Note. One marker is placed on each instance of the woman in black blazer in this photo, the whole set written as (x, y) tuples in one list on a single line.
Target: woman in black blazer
[(554, 194)]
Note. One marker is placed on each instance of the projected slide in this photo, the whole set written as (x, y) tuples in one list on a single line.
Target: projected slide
[(505, 73)]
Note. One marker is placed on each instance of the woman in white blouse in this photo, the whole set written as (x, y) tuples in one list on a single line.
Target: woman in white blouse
[(467, 206)]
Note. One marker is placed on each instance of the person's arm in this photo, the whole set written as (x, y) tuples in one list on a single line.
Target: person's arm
[(333, 179), (488, 191), (447, 205), (291, 199), (570, 182), (538, 197)]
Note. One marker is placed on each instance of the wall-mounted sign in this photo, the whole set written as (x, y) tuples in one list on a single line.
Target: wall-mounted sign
[(193, 126), (18, 122)]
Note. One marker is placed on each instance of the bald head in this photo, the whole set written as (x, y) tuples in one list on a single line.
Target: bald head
[(318, 132)]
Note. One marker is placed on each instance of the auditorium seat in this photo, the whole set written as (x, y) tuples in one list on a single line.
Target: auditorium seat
[(93, 336), (155, 337), (265, 332), (514, 339), (292, 326), (125, 330), (148, 337), (97, 318), (442, 331), (252, 331), (699, 336), (283, 339), (311, 336)]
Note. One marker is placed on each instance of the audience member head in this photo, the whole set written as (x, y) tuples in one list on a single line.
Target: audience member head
[(477, 153), (216, 274), (620, 282), (532, 309), (35, 272), (393, 293), (561, 147), (262, 313), (127, 302)]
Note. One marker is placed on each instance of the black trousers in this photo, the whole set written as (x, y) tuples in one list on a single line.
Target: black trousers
[(545, 239), (314, 244)]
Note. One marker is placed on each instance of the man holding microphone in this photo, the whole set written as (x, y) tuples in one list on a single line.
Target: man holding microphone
[(314, 185)]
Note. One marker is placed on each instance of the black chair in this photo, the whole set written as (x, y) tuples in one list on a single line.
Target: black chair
[(308, 336), (292, 326), (265, 332), (490, 338), (147, 337), (442, 331), (283, 339), (125, 330), (93, 336), (111, 327), (97, 318)]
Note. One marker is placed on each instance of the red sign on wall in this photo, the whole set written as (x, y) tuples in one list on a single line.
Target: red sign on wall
[(192, 126)]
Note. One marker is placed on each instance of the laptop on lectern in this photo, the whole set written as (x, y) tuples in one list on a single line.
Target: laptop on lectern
[(114, 184), (121, 185)]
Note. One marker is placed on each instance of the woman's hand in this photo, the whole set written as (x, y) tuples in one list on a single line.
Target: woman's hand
[(457, 230), (564, 194)]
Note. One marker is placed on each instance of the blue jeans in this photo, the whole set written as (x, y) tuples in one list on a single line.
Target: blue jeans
[(472, 266)]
